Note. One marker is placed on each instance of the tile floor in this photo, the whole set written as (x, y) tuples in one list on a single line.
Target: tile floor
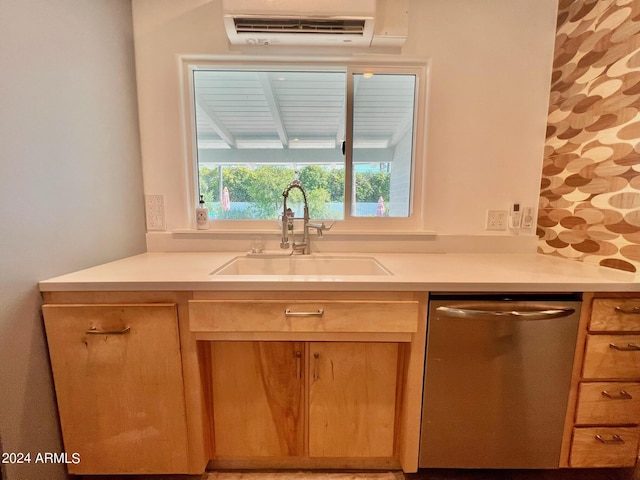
[(599, 474), (436, 474), (304, 476), (577, 474)]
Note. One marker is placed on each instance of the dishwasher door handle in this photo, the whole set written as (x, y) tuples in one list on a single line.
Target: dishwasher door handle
[(542, 314)]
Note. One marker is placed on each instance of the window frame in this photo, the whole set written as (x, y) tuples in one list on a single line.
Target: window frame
[(349, 224)]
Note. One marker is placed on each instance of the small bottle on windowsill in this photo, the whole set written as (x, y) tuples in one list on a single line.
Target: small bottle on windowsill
[(202, 216)]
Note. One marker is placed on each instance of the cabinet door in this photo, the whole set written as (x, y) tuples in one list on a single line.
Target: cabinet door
[(257, 393), (118, 380), (352, 399)]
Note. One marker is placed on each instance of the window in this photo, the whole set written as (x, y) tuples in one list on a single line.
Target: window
[(348, 134), (382, 146)]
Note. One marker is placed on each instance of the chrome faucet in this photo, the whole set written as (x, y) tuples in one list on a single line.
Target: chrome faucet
[(304, 247)]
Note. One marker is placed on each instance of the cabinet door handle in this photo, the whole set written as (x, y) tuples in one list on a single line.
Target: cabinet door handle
[(316, 368), (623, 395), (298, 364), (317, 313), (631, 311), (610, 441), (95, 331), (631, 347)]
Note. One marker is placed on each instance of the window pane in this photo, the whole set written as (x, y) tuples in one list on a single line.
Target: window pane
[(257, 131), (382, 144)]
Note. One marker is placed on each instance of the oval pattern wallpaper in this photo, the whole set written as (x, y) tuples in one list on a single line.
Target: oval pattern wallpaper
[(590, 193)]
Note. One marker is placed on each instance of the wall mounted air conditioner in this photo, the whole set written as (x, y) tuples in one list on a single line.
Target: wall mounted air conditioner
[(355, 23)]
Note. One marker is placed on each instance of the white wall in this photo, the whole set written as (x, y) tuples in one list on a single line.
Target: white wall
[(489, 97), (70, 186), (489, 89)]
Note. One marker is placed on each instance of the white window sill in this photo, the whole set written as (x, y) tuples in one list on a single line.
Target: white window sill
[(186, 233)]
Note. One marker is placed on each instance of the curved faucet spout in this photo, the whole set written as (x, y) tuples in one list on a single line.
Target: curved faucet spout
[(284, 242), (291, 186)]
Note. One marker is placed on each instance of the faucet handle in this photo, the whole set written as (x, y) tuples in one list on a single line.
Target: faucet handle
[(320, 227)]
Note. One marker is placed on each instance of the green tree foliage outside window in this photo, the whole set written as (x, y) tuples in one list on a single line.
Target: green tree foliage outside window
[(260, 189)]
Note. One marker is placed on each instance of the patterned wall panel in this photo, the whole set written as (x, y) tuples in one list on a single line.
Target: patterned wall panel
[(590, 193)]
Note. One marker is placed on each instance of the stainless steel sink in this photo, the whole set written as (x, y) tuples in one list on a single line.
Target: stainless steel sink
[(314, 265)]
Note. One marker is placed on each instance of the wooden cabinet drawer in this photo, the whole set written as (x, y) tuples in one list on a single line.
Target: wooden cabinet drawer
[(303, 316), (612, 357), (604, 447), (615, 314), (608, 403)]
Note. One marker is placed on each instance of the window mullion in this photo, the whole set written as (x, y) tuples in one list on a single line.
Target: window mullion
[(349, 176)]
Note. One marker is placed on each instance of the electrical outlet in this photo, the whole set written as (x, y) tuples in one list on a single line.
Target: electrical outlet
[(496, 220), (154, 208)]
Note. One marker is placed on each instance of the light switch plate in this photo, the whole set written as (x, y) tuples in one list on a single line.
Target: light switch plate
[(496, 220), (154, 208)]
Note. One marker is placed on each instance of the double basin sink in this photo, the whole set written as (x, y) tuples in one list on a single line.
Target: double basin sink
[(310, 265)]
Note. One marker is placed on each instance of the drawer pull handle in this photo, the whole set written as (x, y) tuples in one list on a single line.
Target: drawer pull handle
[(621, 396), (317, 313), (615, 439), (631, 311), (95, 331), (631, 347)]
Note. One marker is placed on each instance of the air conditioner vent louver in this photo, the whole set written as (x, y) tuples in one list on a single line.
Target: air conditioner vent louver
[(299, 25), (316, 23)]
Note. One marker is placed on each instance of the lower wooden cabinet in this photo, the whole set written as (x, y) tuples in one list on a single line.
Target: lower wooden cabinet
[(606, 424), (173, 382), (118, 380), (313, 399), (257, 398), (352, 393)]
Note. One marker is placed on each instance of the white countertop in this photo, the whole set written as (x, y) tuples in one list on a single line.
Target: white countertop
[(438, 272)]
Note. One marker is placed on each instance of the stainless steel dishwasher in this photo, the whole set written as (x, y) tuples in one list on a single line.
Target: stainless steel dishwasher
[(497, 377)]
